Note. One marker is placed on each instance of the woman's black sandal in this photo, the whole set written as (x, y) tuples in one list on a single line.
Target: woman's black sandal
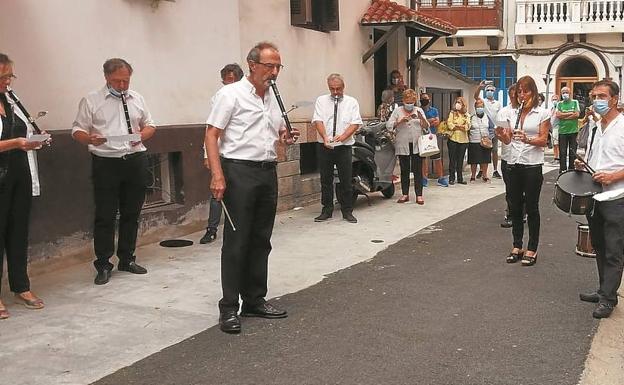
[(529, 260), (513, 258)]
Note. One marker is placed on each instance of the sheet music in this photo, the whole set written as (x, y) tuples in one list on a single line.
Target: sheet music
[(124, 138), (38, 138)]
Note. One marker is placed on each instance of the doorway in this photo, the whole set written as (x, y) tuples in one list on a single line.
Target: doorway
[(578, 74), (381, 67)]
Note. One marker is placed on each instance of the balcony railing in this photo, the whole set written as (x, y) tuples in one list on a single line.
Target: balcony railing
[(465, 14), (575, 16)]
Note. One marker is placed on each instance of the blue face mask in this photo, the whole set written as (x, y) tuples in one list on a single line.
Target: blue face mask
[(114, 92), (409, 107), (489, 94), (601, 107), (480, 111), (565, 96)]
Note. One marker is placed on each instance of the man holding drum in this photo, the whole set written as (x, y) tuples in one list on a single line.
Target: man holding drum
[(605, 155)]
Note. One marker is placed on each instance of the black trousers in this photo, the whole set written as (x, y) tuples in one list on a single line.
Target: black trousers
[(525, 185), (251, 199), (341, 157), (457, 151), (15, 203), (606, 226), (118, 185), (413, 163), (567, 145)]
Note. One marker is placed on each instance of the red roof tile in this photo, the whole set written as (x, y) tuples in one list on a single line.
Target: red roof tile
[(389, 12)]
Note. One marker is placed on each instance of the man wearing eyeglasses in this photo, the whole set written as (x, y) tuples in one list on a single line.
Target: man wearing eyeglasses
[(247, 119)]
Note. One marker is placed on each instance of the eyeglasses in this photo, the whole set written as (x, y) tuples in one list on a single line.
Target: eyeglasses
[(272, 66), (7, 77)]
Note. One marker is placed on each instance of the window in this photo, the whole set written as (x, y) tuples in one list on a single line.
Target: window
[(319, 15), (163, 186), (500, 69)]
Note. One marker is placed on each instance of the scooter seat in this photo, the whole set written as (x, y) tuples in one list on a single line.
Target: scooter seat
[(365, 145)]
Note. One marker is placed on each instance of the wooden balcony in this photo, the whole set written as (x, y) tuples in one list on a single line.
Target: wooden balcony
[(466, 14), (538, 17)]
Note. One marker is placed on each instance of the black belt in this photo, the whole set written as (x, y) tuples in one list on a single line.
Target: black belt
[(251, 163), (520, 165), (123, 157)]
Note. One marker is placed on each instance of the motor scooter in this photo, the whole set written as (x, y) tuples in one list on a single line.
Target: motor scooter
[(373, 161)]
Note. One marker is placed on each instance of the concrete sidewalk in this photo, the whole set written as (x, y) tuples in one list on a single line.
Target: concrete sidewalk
[(87, 332)]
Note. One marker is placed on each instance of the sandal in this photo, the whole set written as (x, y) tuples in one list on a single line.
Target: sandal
[(33, 304), (485, 179), (403, 199), (529, 260), (515, 257), (420, 200), (4, 313)]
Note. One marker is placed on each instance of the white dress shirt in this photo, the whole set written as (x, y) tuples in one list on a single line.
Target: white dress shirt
[(524, 153), (102, 113), (348, 113), (251, 125), (32, 155), (607, 154), (479, 128)]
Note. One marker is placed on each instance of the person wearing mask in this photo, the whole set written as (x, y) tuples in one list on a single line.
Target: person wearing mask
[(527, 135), (567, 112), (477, 154), (397, 85), (229, 74), (492, 107), (409, 122), (433, 117), (458, 125), (336, 118), (554, 123), (19, 182), (605, 156), (120, 171), (504, 119), (243, 129)]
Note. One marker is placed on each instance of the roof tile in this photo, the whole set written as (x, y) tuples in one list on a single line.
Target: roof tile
[(389, 12)]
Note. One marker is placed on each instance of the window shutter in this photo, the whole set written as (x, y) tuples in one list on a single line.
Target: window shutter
[(331, 16), (300, 12)]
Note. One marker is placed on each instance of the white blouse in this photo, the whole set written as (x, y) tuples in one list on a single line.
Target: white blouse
[(524, 153)]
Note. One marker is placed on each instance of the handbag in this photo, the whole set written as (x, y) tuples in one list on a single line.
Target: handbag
[(427, 144), (485, 141)]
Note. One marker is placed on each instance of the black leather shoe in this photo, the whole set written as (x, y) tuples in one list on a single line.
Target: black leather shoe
[(323, 217), (589, 297), (132, 267), (603, 310), (349, 218), (265, 310), (102, 277), (506, 223), (229, 322), (462, 182), (210, 236)]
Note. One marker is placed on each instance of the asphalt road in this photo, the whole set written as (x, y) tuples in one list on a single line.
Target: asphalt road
[(440, 307)]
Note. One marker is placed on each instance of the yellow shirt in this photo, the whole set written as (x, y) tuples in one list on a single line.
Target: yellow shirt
[(457, 134)]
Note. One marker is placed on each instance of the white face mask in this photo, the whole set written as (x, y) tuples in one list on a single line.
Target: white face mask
[(458, 106)]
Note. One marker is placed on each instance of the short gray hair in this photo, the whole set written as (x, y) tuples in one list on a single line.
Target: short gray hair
[(4, 59), (254, 53), (387, 96), (112, 65), (335, 77)]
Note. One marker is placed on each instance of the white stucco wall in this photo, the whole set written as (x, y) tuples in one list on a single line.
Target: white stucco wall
[(59, 46), (432, 77), (309, 56)]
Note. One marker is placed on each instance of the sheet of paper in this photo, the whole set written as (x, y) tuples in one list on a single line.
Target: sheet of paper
[(124, 138), (39, 138)]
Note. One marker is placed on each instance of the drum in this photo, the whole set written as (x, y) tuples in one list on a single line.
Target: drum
[(584, 246), (574, 191)]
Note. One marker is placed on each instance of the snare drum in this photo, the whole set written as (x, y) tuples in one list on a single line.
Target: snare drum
[(584, 246), (574, 191)]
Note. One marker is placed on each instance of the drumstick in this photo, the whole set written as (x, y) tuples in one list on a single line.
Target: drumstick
[(227, 214), (591, 170)]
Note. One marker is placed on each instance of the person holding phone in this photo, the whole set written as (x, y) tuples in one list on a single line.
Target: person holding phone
[(408, 121), (527, 136)]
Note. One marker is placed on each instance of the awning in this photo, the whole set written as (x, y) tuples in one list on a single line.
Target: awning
[(386, 13)]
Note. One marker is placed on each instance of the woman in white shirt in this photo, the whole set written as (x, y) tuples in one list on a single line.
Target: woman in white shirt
[(527, 136), (18, 183), (477, 154), (408, 121)]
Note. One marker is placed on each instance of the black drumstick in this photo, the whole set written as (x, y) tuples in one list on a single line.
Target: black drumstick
[(591, 170)]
